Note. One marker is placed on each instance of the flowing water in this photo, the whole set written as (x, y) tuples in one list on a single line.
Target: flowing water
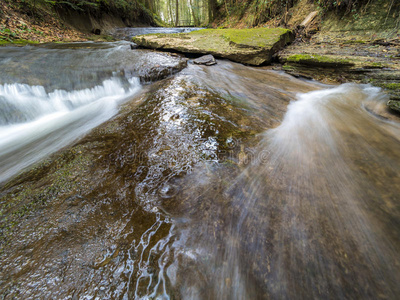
[(129, 32), (222, 182), (53, 94)]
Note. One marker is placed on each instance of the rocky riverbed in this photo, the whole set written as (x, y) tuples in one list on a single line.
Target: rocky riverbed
[(327, 56), (346, 60)]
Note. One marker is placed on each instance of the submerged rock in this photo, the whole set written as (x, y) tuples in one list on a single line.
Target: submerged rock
[(207, 60), (249, 46), (9, 113), (153, 71), (26, 65), (101, 194)]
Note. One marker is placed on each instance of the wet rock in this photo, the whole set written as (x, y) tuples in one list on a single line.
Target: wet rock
[(9, 113), (26, 67), (249, 46), (318, 60), (152, 71), (81, 199), (207, 60), (394, 104)]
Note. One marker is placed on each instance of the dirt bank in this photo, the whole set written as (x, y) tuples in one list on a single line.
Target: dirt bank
[(21, 22)]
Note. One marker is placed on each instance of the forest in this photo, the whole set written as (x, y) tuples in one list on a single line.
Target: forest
[(200, 149), (194, 12)]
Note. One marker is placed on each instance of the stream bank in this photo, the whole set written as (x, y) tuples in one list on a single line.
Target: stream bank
[(32, 21), (362, 47), (338, 61)]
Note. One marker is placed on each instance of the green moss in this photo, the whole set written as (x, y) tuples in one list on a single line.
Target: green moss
[(394, 105), (376, 65), (391, 86), (60, 176), (288, 68), (318, 60), (315, 57), (255, 37), (18, 43)]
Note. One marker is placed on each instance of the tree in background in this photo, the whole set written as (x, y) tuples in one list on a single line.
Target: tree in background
[(176, 12), (186, 12), (212, 10)]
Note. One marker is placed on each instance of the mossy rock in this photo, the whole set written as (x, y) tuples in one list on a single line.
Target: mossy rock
[(391, 86), (17, 43), (249, 46), (318, 60), (394, 105)]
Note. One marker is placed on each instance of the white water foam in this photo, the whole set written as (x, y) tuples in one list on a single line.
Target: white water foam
[(49, 121)]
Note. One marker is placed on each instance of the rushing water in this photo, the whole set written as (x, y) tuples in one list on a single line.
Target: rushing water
[(53, 94), (222, 182)]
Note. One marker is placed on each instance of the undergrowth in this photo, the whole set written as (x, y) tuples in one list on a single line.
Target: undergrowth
[(129, 9), (256, 12)]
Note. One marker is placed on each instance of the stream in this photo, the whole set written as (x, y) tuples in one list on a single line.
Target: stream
[(135, 174)]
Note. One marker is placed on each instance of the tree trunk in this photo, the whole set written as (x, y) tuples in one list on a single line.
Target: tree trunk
[(150, 5), (171, 15), (176, 13), (212, 10), (195, 18)]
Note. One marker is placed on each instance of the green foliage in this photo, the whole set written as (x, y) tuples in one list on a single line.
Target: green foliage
[(256, 12), (6, 34), (9, 36), (344, 5)]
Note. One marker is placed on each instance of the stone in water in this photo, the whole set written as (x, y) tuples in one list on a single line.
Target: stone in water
[(207, 60)]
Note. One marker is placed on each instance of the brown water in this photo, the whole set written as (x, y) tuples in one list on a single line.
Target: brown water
[(223, 182)]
